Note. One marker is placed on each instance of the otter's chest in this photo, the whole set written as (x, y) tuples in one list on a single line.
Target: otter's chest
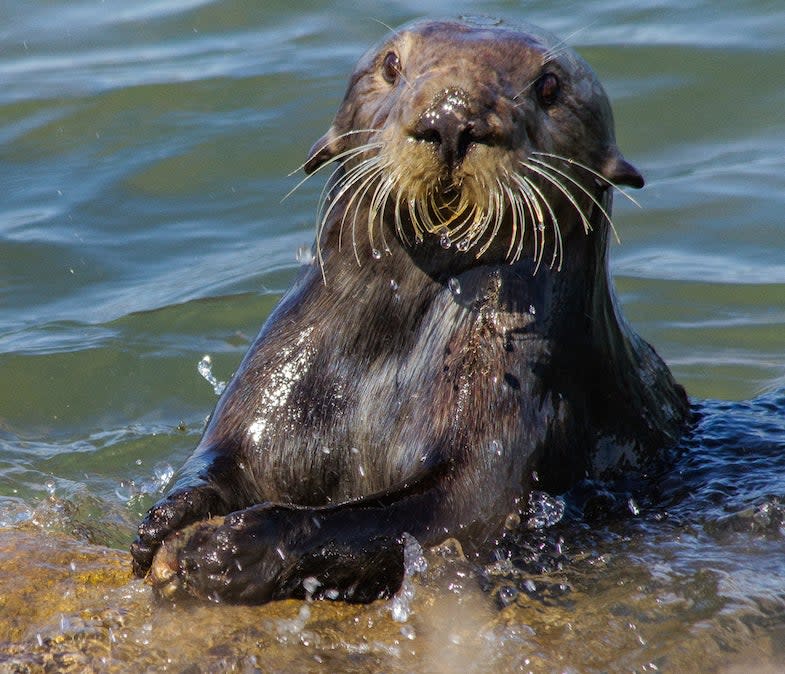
[(331, 424)]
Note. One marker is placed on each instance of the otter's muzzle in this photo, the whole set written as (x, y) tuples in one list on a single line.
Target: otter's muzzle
[(452, 126)]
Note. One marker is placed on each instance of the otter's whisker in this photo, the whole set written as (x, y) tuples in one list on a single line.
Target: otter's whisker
[(345, 184), (507, 191), (351, 132), (538, 226), (340, 158), (562, 46), (553, 180), (596, 174), (584, 190), (558, 244), (503, 189), (356, 200), (526, 205), (333, 184), (337, 189), (499, 211), (378, 205), (535, 211), (398, 223), (528, 86), (411, 204), (334, 189)]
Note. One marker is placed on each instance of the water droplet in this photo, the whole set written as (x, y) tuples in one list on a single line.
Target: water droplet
[(414, 562), (545, 510), (496, 447), (205, 368), (407, 632), (507, 595), (540, 226), (454, 285), (50, 487), (125, 491), (376, 254), (633, 506), (310, 585), (463, 245), (532, 309), (162, 473), (394, 285), (444, 240), (303, 614), (304, 255)]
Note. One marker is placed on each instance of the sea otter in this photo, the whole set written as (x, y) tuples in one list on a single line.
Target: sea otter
[(457, 334)]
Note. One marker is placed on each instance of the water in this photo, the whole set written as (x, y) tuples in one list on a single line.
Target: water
[(144, 152)]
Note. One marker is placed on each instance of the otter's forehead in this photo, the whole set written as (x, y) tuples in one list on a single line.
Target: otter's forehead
[(521, 49), (490, 50), (472, 34)]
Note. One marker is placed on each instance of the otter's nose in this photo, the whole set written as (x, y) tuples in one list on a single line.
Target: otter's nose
[(450, 125)]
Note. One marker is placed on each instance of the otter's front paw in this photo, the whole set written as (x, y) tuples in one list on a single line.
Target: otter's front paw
[(238, 558), (270, 552), (174, 512)]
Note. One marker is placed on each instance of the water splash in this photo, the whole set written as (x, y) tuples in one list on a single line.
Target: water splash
[(304, 256), (127, 491), (414, 563), (545, 510), (205, 368)]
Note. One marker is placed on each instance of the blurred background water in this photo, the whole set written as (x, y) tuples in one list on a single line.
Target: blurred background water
[(145, 149)]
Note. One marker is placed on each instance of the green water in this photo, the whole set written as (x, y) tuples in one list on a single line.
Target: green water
[(145, 149)]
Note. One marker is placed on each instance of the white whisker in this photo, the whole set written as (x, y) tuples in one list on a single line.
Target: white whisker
[(584, 190), (597, 174), (538, 170)]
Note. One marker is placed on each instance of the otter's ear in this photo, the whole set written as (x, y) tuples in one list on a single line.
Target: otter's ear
[(321, 152), (620, 172), (332, 143)]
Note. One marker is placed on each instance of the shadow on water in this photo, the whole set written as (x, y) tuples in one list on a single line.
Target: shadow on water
[(684, 569)]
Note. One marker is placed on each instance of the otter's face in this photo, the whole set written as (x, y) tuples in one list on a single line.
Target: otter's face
[(486, 137)]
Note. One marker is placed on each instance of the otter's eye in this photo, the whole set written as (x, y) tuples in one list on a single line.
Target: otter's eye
[(548, 87), (391, 67)]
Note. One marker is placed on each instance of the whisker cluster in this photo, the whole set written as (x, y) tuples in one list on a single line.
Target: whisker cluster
[(366, 188)]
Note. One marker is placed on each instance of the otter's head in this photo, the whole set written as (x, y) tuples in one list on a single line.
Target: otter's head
[(495, 140)]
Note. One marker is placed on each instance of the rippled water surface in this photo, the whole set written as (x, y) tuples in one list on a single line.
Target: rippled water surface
[(145, 149)]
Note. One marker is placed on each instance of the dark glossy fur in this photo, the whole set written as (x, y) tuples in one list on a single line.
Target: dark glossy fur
[(377, 400)]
